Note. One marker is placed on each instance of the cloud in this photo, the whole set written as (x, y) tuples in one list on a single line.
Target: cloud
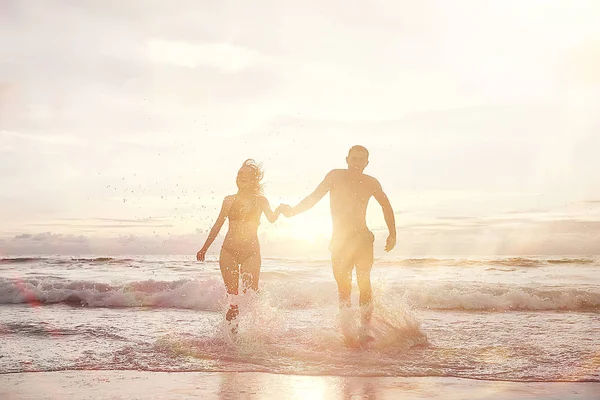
[(550, 237), (139, 220), (122, 223), (51, 237), (459, 218), (161, 95), (56, 71), (216, 55), (458, 237), (571, 226), (100, 226), (527, 211), (27, 140), (7, 93), (53, 243), (583, 64)]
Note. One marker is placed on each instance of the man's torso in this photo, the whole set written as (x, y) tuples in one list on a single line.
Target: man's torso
[(349, 197)]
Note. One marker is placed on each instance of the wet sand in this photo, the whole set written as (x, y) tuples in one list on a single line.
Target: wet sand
[(258, 385)]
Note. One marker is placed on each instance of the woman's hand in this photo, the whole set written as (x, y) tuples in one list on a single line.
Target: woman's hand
[(201, 255), (284, 209)]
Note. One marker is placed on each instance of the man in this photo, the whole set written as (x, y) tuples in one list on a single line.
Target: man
[(351, 243)]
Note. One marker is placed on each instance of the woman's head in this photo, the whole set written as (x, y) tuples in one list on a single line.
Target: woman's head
[(249, 177)]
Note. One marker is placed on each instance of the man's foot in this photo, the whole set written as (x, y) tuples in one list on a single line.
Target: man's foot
[(351, 343), (364, 338), (366, 312)]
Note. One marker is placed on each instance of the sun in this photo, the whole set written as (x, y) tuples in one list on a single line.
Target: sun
[(308, 229)]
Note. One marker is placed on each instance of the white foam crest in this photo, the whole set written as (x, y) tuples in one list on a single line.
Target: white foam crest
[(312, 341), (501, 298), (394, 325), (210, 295), (301, 294)]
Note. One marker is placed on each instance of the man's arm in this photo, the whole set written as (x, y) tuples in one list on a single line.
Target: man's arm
[(388, 214), (312, 198)]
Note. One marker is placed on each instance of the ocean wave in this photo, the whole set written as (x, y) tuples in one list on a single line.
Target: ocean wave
[(60, 261), (44, 329), (522, 262), (570, 261), (150, 293), (19, 260), (209, 295), (502, 299), (517, 262), (96, 260)]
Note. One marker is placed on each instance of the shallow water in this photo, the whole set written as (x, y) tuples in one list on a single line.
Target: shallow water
[(518, 319)]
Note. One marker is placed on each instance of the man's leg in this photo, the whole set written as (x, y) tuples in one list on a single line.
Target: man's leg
[(364, 264), (363, 278), (343, 264), (342, 271)]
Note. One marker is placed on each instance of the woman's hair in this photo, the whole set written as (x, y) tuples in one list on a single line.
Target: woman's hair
[(258, 174)]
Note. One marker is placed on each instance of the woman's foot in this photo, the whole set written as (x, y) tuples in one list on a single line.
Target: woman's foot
[(231, 317)]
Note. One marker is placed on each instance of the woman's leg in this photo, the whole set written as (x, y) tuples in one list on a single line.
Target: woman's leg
[(250, 270), (231, 277)]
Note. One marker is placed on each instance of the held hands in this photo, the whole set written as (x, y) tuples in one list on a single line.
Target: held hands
[(285, 210), (390, 243)]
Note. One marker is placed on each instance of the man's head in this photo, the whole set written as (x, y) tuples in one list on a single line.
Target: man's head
[(358, 158)]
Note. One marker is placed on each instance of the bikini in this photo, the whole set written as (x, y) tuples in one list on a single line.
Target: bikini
[(242, 250)]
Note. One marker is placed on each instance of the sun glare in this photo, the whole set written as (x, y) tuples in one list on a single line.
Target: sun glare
[(305, 387), (309, 230)]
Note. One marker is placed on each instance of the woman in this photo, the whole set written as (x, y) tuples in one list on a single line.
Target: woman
[(240, 253)]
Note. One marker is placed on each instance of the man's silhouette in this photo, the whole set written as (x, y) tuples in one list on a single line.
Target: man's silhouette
[(352, 242)]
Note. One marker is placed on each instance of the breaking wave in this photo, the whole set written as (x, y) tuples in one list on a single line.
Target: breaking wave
[(209, 295)]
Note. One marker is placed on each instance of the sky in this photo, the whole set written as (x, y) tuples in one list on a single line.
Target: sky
[(123, 123)]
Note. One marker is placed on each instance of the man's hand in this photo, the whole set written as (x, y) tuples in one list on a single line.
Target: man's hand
[(286, 210), (279, 209), (200, 255), (390, 243)]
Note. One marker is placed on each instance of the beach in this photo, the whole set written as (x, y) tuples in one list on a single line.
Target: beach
[(153, 327), (256, 385), (299, 200)]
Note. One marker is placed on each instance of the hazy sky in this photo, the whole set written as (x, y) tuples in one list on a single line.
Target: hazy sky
[(123, 123)]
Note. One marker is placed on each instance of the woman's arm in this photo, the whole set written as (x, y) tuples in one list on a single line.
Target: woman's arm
[(266, 208), (215, 229)]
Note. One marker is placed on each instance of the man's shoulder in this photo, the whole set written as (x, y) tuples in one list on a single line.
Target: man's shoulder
[(370, 179), (335, 173), (372, 183)]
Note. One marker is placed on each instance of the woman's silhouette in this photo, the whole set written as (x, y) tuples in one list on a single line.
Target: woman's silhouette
[(240, 253)]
